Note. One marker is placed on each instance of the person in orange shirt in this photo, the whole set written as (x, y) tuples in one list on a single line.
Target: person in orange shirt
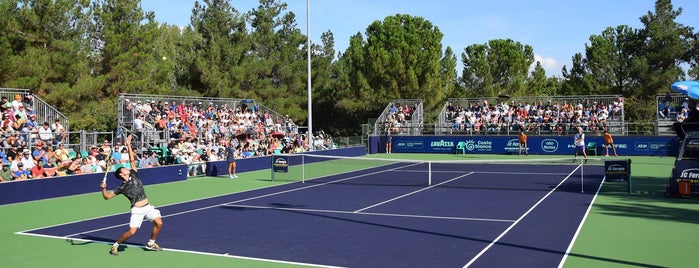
[(523, 143), (609, 141)]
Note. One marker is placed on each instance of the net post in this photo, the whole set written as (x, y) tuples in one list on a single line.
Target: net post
[(628, 175), (272, 169), (582, 175), (303, 168), (429, 173)]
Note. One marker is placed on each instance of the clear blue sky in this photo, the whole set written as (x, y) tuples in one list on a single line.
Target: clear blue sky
[(556, 29)]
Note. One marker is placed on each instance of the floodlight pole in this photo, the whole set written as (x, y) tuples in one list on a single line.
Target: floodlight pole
[(309, 134)]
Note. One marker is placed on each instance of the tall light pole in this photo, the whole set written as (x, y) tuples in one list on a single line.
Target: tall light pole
[(309, 134)]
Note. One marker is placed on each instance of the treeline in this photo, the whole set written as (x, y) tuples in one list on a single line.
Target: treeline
[(78, 55)]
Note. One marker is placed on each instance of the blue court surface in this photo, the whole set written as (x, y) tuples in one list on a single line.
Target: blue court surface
[(468, 215)]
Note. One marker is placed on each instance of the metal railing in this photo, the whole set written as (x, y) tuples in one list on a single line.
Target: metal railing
[(615, 120), (414, 124)]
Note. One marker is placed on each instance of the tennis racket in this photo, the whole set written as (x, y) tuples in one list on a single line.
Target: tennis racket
[(106, 166)]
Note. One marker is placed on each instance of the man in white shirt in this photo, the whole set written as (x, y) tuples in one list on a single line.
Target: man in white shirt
[(580, 143), (45, 133), (138, 125)]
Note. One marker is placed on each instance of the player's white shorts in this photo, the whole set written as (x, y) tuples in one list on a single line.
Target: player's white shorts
[(138, 214)]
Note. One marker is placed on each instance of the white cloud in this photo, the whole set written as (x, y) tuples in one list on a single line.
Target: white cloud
[(551, 66)]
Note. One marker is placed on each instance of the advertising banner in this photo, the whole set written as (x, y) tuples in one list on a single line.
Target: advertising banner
[(554, 145)]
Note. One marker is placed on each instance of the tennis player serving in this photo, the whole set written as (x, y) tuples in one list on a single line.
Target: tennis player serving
[(132, 188)]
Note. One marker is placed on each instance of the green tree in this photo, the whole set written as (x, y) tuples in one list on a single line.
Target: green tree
[(577, 80), (277, 67), (608, 60), (497, 67), (41, 45), (401, 58), (220, 49), (665, 45)]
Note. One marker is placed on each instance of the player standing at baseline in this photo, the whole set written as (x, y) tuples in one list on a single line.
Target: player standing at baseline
[(132, 188), (580, 143)]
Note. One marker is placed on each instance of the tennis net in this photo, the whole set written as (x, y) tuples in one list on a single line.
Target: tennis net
[(516, 174)]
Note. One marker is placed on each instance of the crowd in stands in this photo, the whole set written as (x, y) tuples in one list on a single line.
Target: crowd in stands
[(24, 141), (197, 132), (550, 117), (43, 161), (398, 115), (671, 109)]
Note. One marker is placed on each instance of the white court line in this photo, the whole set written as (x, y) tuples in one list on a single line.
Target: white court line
[(484, 172), (26, 232), (577, 232), (212, 206), (411, 193), (475, 258), (185, 251), (373, 214)]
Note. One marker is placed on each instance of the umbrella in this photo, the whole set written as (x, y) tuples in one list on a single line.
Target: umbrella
[(277, 134), (690, 88)]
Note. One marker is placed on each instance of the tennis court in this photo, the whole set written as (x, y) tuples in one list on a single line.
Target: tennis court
[(372, 213)]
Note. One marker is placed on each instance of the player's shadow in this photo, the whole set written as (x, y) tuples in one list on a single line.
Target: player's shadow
[(80, 242)]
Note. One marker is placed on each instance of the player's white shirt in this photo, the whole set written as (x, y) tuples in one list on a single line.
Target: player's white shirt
[(580, 139)]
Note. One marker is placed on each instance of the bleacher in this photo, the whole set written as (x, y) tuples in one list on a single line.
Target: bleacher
[(402, 117), (131, 105), (38, 107), (670, 110), (498, 115)]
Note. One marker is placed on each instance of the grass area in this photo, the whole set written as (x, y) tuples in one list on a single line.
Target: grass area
[(643, 228)]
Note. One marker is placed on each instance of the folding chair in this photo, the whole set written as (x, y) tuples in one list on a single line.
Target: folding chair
[(591, 146)]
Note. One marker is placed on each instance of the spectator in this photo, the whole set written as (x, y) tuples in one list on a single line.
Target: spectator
[(74, 166), (45, 133), (123, 156), (27, 160), (21, 173), (213, 156), (50, 169), (39, 154), (5, 173), (86, 167), (62, 154), (138, 125), (106, 149), (691, 122), (59, 131), (50, 153), (37, 172)]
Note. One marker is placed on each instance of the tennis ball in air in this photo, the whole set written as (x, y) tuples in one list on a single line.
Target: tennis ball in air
[(164, 58)]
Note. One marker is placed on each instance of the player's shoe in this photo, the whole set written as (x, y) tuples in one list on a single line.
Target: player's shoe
[(230, 176), (153, 247), (235, 176), (114, 251)]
